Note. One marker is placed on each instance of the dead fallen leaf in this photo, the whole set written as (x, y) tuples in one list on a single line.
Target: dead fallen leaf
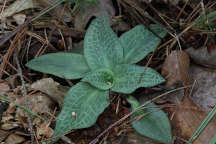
[(204, 91), (187, 120), (44, 130), (89, 10), (3, 135), (19, 18), (133, 137), (53, 89), (173, 2), (17, 6), (188, 117), (8, 122), (60, 11), (176, 68), (202, 56), (14, 139), (4, 87), (38, 103)]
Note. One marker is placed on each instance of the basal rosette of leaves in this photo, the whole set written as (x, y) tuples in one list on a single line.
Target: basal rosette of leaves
[(108, 64)]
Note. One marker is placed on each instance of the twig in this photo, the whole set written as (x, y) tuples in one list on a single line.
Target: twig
[(25, 97)]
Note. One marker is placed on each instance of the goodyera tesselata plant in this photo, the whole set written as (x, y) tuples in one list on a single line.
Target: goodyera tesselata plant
[(108, 64)]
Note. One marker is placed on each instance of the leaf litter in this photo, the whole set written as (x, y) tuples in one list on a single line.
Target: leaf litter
[(186, 108)]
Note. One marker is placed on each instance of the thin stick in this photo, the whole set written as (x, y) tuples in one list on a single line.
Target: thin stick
[(25, 97)]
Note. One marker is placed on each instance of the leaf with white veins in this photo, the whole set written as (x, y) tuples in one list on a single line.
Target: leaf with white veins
[(130, 77), (139, 42), (102, 79), (102, 48), (82, 106), (152, 122), (64, 65)]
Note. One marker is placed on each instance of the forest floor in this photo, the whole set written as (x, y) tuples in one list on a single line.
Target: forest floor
[(186, 58)]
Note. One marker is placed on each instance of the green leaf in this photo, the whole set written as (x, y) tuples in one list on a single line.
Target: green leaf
[(64, 65), (130, 77), (102, 79), (153, 122), (139, 42), (82, 106), (102, 48)]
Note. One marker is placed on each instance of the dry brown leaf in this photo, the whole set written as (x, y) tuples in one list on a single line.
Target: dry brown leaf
[(53, 89), (202, 56), (133, 137), (89, 10), (188, 119), (19, 18), (3, 135), (14, 139), (4, 87), (38, 103), (44, 130), (176, 68), (18, 6), (204, 91), (8, 122), (60, 11)]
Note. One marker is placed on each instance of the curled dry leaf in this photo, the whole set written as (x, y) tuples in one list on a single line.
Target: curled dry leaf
[(44, 130), (89, 10), (14, 139), (188, 117), (3, 135), (204, 91), (8, 122), (38, 103), (202, 56), (187, 120), (133, 137), (19, 18), (173, 2), (17, 6), (176, 68), (53, 89), (20, 5), (60, 11), (4, 87)]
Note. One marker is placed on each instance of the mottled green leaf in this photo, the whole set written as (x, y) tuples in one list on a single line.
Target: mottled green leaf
[(151, 122), (64, 65), (102, 79), (139, 42), (130, 77), (102, 47), (82, 106)]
